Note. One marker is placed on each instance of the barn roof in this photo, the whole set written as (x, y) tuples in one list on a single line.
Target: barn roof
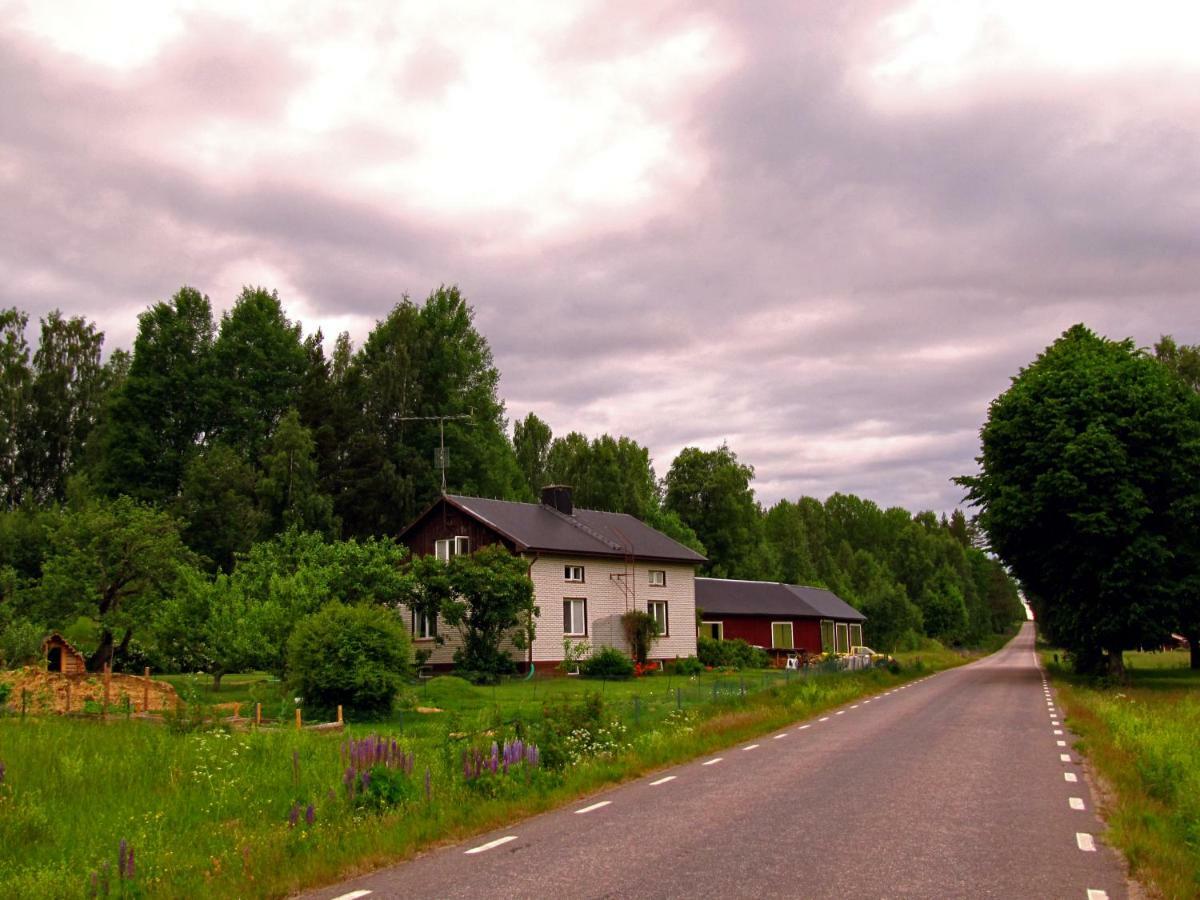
[(589, 532), (771, 598), (55, 636)]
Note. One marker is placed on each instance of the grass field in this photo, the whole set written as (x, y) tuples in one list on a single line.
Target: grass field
[(1144, 739), (206, 812)]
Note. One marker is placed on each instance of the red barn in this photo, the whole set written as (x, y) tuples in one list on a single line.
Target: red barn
[(783, 619)]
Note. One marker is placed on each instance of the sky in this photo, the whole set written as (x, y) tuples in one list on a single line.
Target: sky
[(825, 233)]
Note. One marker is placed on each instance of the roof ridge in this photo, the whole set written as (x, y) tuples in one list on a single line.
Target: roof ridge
[(589, 531)]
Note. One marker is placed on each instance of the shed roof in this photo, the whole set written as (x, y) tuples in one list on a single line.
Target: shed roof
[(771, 598), (590, 532)]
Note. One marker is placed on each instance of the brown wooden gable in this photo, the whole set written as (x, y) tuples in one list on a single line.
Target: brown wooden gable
[(445, 520)]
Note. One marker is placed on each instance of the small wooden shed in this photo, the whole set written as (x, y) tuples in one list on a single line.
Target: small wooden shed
[(62, 657)]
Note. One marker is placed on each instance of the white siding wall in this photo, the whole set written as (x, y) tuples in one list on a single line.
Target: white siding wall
[(606, 602)]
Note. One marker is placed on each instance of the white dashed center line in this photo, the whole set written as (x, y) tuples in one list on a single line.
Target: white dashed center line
[(825, 719), (353, 895), (1065, 757), (1061, 743), (663, 780), (1058, 731), (1070, 776), (751, 747), (1086, 842), (712, 762), (1076, 802), (778, 736), (840, 712), (1094, 894), (855, 706), (594, 806), (492, 844), (802, 727)]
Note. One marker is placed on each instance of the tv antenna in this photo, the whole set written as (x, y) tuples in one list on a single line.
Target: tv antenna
[(439, 455)]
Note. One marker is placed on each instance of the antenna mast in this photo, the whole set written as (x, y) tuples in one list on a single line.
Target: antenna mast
[(441, 420)]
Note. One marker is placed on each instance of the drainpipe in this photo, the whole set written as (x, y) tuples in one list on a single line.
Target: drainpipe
[(529, 574)]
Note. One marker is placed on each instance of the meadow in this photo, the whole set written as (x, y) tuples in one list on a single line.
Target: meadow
[(130, 808), (1142, 739)]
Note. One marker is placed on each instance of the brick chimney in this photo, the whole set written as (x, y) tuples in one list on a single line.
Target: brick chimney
[(558, 496)]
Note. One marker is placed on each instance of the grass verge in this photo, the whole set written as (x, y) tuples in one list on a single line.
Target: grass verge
[(217, 814), (1141, 737)]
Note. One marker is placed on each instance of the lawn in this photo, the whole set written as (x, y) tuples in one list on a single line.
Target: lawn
[(208, 812), (1142, 738)]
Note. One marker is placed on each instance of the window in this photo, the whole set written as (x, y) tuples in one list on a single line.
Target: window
[(658, 578), (424, 627), (855, 635), (843, 638), (826, 635), (448, 547), (714, 630), (658, 609), (781, 636), (575, 617), (573, 573)]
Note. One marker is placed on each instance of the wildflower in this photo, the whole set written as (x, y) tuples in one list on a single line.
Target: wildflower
[(122, 857), (294, 815), (310, 814), (2, 771)]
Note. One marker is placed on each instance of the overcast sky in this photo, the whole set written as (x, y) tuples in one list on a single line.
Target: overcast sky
[(826, 236)]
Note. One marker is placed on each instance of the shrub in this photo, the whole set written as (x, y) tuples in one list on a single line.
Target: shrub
[(641, 630), (607, 663), (687, 666), (20, 643), (355, 656), (735, 654), (5, 690)]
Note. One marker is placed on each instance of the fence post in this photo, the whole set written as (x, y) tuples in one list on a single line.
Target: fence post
[(146, 690), (107, 688), (257, 714), (68, 709), (297, 718), (24, 701), (237, 710), (678, 699), (340, 714)]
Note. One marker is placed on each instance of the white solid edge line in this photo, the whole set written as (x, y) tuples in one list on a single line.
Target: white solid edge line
[(712, 762), (490, 844), (1094, 894), (1085, 841), (751, 747), (1075, 802), (1070, 776), (353, 895), (663, 780), (594, 806)]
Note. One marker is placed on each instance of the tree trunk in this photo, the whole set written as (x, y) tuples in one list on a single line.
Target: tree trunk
[(216, 677), (103, 652), (1116, 663)]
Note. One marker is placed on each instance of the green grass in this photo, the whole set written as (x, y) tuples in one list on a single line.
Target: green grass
[(206, 811), (1142, 738)]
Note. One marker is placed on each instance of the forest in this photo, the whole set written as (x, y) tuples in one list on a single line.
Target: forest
[(183, 503)]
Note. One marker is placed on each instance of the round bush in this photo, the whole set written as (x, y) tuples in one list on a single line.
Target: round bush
[(355, 656), (607, 663)]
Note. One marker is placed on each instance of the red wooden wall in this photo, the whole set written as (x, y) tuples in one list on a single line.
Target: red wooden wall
[(806, 632)]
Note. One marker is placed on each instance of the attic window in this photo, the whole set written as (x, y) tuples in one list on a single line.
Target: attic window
[(448, 547)]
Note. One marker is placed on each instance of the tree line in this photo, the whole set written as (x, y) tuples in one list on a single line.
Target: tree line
[(165, 495)]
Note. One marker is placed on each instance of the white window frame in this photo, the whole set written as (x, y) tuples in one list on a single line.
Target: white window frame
[(832, 648), (666, 617), (856, 627), (569, 573), (572, 631), (462, 545), (459, 545), (791, 630), (707, 631), (841, 629), (424, 628), (660, 581)]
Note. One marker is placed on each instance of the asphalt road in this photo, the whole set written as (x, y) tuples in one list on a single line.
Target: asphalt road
[(963, 784)]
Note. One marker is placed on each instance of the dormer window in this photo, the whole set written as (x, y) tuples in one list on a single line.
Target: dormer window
[(448, 547), (573, 573)]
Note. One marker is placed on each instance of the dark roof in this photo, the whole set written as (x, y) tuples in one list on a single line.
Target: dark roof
[(533, 526), (771, 598)]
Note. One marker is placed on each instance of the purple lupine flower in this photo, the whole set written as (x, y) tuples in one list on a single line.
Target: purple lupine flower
[(428, 786), (294, 815), (365, 776), (2, 771), (122, 856), (94, 884), (310, 814), (129, 868)]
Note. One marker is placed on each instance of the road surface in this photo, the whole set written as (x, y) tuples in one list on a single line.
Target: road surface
[(962, 784)]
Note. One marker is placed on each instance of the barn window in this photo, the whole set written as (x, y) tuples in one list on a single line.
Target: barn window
[(714, 630), (827, 636), (843, 638), (781, 636), (856, 635)]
